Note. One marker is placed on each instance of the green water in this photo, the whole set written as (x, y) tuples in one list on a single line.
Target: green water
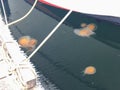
[(65, 55)]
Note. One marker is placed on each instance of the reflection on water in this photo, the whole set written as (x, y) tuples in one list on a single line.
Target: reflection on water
[(62, 59)]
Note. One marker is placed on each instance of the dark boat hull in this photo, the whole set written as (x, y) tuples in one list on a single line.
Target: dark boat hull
[(58, 13), (107, 26)]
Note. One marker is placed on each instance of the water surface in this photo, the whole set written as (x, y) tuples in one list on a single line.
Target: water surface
[(65, 55)]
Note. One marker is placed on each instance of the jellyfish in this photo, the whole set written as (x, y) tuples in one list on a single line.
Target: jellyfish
[(32, 43), (83, 32), (91, 27), (23, 41), (27, 42), (90, 70), (83, 25), (86, 30)]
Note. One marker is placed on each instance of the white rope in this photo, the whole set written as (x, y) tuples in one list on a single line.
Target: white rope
[(4, 12), (49, 35), (4, 52), (20, 19), (15, 68)]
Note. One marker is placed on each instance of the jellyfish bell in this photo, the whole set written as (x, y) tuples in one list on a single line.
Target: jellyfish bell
[(24, 41), (83, 32), (27, 42), (91, 27), (90, 70)]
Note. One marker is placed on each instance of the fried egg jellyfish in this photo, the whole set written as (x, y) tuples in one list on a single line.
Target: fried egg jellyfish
[(83, 32), (90, 70), (27, 42), (86, 31)]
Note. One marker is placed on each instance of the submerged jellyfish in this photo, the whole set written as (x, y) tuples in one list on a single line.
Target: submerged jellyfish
[(86, 31), (23, 41), (89, 70), (27, 42), (32, 43), (91, 26), (83, 32)]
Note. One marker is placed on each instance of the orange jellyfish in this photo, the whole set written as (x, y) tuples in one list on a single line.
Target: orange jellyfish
[(86, 31), (91, 26), (32, 43), (27, 42), (83, 32), (83, 25), (24, 41), (90, 70)]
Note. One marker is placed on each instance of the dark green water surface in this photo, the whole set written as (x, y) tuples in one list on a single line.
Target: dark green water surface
[(65, 55)]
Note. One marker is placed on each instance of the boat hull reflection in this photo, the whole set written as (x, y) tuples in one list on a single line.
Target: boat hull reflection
[(108, 29)]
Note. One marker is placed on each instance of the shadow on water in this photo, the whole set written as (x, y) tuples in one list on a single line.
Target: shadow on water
[(109, 36)]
